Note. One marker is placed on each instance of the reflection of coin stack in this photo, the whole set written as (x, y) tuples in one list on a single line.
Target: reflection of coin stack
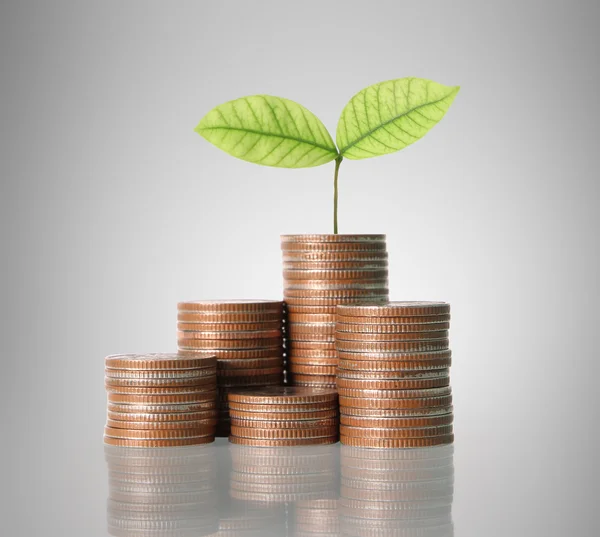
[(159, 400), (284, 416), (283, 474), (167, 492), (245, 335), (316, 518), (396, 492), (393, 376), (321, 271)]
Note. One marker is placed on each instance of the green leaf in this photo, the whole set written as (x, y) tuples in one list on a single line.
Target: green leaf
[(269, 130), (388, 116)]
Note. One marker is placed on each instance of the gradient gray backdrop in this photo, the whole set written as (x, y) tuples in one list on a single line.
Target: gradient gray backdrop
[(113, 209)]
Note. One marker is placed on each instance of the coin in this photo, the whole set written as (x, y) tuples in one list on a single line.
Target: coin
[(336, 265), (316, 299), (380, 364), (226, 367), (208, 386), (256, 380), (378, 329), (172, 442), (199, 317), (336, 238), (300, 360), (396, 412), (229, 344), (158, 384), (283, 417), (256, 372), (372, 432), (395, 403), (398, 336), (228, 335), (392, 346), (308, 353), (283, 395), (230, 327), (397, 442), (178, 399), (295, 345), (161, 425), (161, 417), (162, 408), (294, 337), (336, 275), (308, 310), (312, 369), (264, 442), (379, 321), (231, 306), (401, 374), (395, 394), (158, 361), (311, 318), (396, 309), (232, 354), (156, 434), (293, 287), (399, 423), (322, 329), (392, 384), (274, 408), (160, 375), (285, 424), (368, 290)]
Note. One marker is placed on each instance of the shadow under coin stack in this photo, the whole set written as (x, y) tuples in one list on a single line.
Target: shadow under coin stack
[(319, 272), (160, 400), (161, 492), (245, 335), (397, 492), (393, 375), (284, 416)]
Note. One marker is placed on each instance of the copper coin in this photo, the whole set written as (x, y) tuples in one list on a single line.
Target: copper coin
[(178, 399), (162, 417), (161, 425), (370, 432), (408, 320), (336, 294), (365, 364), (294, 337), (314, 378), (391, 328), (155, 434), (159, 375), (229, 344), (403, 336), (231, 354), (313, 383), (302, 329), (126, 442), (397, 443), (395, 394), (336, 275), (227, 335), (283, 395), (397, 423), (310, 310), (368, 376), (336, 238), (361, 246), (255, 380), (274, 408), (310, 345), (156, 361), (396, 412), (392, 346), (300, 360), (392, 384), (230, 327), (162, 408), (311, 318), (335, 265), (231, 306), (313, 369), (349, 257), (307, 287), (265, 442), (285, 424), (343, 297), (399, 356), (199, 317), (228, 366), (395, 403), (255, 372), (308, 353), (279, 417), (396, 309), (158, 384), (164, 390)]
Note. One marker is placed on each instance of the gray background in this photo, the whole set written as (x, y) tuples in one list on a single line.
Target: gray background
[(113, 209)]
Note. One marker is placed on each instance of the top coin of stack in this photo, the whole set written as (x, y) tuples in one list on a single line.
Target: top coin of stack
[(393, 374), (246, 336), (160, 400), (320, 272)]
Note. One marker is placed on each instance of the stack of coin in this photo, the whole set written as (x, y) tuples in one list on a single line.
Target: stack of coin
[(284, 416), (160, 400), (393, 374), (245, 335), (275, 475), (319, 272), (397, 492), (317, 518), (167, 491)]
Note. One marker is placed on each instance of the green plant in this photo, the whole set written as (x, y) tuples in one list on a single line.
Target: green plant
[(378, 120)]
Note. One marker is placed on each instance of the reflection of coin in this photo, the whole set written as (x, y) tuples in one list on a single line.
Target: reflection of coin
[(397, 442)]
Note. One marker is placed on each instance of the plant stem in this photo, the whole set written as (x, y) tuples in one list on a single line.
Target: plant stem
[(338, 161)]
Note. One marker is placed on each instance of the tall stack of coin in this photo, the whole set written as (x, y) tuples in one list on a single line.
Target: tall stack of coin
[(167, 491), (246, 337), (319, 272), (397, 492), (284, 416), (393, 375), (160, 400)]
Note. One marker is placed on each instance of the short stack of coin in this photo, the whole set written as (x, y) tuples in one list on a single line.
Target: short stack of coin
[(320, 272), (287, 474), (245, 335), (167, 491), (284, 416), (393, 374), (160, 400)]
